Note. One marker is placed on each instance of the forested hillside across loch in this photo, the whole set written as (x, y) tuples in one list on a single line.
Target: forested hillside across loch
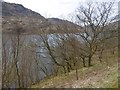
[(39, 52)]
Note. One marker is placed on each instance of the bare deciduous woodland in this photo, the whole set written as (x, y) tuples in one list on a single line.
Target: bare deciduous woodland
[(41, 54)]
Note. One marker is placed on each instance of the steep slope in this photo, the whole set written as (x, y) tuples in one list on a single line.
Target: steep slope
[(101, 75), (12, 9), (105, 78), (64, 26), (14, 15)]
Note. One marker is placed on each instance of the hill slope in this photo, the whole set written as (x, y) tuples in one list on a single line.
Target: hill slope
[(12, 9), (105, 78), (101, 75), (17, 15), (14, 15)]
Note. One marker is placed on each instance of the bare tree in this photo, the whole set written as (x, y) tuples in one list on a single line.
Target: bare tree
[(93, 17)]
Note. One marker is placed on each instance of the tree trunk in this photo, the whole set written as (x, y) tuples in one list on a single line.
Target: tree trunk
[(16, 60), (76, 70), (84, 62), (64, 70), (89, 61), (76, 74), (68, 68)]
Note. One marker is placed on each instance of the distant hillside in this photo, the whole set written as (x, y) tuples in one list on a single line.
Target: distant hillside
[(64, 25), (58, 21), (16, 14), (12, 9)]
